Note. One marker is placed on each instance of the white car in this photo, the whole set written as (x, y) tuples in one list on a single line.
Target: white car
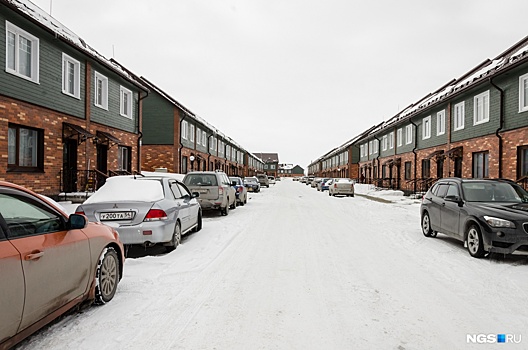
[(271, 180), (341, 186)]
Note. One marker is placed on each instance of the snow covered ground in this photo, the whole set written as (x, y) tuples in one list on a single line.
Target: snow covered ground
[(297, 269)]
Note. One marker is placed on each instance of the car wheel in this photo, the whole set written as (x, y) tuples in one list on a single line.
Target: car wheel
[(198, 222), (176, 238), (225, 211), (330, 194), (107, 276), (234, 205), (245, 199), (474, 242), (426, 225)]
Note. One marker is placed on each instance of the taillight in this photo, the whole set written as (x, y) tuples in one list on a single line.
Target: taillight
[(80, 212), (220, 191), (155, 215), (335, 185), (240, 189)]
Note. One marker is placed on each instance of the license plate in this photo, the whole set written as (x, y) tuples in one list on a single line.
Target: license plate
[(117, 215)]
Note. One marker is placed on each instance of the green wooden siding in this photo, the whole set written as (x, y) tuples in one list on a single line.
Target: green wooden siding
[(158, 120), (434, 140), (48, 92), (513, 119)]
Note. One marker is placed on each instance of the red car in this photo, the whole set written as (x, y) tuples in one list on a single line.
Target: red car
[(50, 262)]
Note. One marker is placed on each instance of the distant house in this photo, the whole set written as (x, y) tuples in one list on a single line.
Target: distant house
[(289, 170), (69, 117), (271, 162)]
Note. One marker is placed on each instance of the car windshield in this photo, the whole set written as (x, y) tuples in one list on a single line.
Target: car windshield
[(236, 179), (493, 192), (250, 181), (200, 180)]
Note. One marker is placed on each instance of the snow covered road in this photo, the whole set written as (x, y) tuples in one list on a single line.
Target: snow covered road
[(297, 269)]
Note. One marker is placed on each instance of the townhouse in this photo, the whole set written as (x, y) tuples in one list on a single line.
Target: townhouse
[(68, 116), (271, 163), (473, 126), (176, 139)]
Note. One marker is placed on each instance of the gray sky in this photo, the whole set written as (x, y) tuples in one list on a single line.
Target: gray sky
[(295, 77)]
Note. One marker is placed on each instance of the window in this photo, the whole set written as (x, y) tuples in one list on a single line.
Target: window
[(125, 102), (399, 137), (184, 130), (101, 91), (375, 146), (459, 116), (522, 161), (25, 149), (408, 166), (184, 165), (191, 133), (204, 138), (362, 150), (480, 164), (408, 134), (440, 123), (198, 136), (391, 140), (123, 159), (481, 108), (426, 128), (370, 147), (384, 142), (426, 168), (22, 53), (523, 93), (71, 75)]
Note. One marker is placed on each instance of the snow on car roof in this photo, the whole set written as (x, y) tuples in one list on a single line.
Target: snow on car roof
[(126, 188)]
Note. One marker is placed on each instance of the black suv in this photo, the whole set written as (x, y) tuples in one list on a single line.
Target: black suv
[(487, 215)]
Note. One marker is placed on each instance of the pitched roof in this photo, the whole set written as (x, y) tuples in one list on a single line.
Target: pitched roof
[(268, 157)]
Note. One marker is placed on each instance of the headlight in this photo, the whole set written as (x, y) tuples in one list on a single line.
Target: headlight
[(496, 222)]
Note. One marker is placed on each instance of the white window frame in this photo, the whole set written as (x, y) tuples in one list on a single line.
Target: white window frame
[(399, 136), (391, 140), (371, 148), (375, 146), (123, 91), (198, 136), (362, 150), (66, 61), (481, 108), (459, 112), (523, 91), (35, 48), (426, 128), (440, 123), (104, 93), (191, 133), (408, 134), (184, 130), (384, 142), (204, 138)]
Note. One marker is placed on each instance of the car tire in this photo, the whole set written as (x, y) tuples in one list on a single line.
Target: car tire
[(106, 276), (176, 238), (426, 225), (330, 194), (474, 242), (234, 205), (225, 210), (198, 222)]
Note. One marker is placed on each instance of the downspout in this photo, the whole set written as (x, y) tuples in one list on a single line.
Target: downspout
[(139, 126), (414, 151), (209, 151), (501, 123), (377, 158), (181, 144)]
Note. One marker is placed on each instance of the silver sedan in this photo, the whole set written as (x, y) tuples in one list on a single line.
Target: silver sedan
[(145, 210)]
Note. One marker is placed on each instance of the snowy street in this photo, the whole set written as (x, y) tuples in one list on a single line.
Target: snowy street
[(297, 269)]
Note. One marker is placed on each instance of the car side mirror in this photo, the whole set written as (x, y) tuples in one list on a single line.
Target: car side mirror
[(195, 194), (455, 199), (76, 222)]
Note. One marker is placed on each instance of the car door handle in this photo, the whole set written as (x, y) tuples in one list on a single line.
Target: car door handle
[(443, 204), (34, 255)]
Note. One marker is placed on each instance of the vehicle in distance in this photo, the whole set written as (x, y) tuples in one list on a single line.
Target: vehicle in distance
[(252, 184), (341, 186), (240, 189), (215, 189)]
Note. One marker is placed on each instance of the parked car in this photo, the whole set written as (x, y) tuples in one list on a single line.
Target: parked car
[(252, 184), (263, 180), (309, 180), (50, 262), (341, 186), (487, 215), (271, 180), (315, 181), (240, 189), (145, 210), (215, 189), (323, 184)]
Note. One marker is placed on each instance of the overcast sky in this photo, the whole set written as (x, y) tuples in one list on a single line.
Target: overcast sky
[(295, 77)]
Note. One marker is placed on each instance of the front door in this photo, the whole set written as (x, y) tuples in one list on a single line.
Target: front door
[(440, 168), (102, 163), (69, 166), (458, 167)]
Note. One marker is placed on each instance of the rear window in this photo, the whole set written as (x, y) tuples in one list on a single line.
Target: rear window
[(200, 180), (123, 189)]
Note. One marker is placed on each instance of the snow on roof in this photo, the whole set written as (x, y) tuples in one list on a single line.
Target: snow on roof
[(127, 188), (44, 19)]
